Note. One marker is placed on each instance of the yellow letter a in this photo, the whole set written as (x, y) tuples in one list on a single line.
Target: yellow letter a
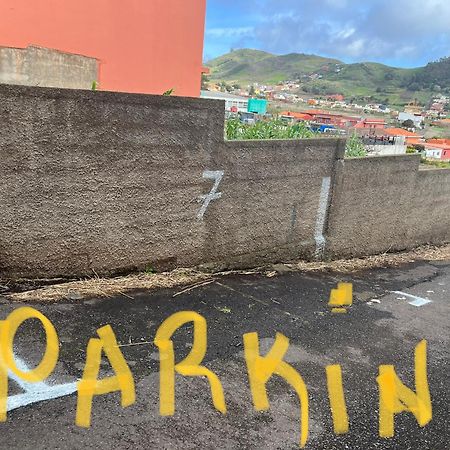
[(260, 369), (395, 397), (90, 385), (190, 366)]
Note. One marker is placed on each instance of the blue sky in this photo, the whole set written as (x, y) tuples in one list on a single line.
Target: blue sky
[(403, 33)]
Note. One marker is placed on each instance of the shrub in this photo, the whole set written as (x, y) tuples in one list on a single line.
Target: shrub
[(273, 129), (355, 147)]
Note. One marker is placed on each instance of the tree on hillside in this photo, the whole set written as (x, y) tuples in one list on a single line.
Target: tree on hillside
[(205, 81), (408, 124), (252, 91)]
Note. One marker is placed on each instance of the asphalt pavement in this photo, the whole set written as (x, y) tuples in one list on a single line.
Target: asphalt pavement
[(393, 310)]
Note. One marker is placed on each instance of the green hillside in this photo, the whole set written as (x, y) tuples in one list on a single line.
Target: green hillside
[(248, 66), (323, 76)]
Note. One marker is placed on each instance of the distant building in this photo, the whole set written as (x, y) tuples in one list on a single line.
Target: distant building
[(257, 106), (144, 46), (371, 124), (295, 116), (413, 108), (383, 146), (438, 149), (411, 137), (417, 119), (338, 120), (438, 107), (233, 103)]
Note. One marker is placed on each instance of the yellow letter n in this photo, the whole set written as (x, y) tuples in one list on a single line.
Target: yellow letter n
[(90, 385), (261, 368), (395, 397), (189, 367)]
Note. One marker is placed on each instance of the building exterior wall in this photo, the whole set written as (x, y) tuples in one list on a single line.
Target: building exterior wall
[(418, 120), (398, 147), (434, 153), (35, 66), (386, 149), (109, 182), (232, 102), (142, 46)]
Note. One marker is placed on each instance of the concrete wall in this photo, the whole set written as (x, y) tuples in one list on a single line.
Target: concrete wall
[(143, 46), (384, 204), (386, 150), (35, 66), (114, 182)]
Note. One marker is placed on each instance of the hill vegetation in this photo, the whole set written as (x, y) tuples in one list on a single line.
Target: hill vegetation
[(323, 76)]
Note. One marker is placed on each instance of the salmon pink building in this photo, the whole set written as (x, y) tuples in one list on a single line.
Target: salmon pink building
[(438, 149), (143, 46)]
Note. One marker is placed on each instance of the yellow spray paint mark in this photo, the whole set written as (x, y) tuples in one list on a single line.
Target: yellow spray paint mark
[(340, 297), (8, 330), (3, 384), (337, 399), (190, 366), (396, 398), (260, 370), (90, 385)]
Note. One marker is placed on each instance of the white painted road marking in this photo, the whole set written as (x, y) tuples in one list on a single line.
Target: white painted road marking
[(417, 301), (321, 217), (213, 194), (35, 392)]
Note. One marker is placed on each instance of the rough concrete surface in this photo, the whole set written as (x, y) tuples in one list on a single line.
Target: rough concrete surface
[(385, 204), (45, 67), (107, 182), (103, 183), (372, 333)]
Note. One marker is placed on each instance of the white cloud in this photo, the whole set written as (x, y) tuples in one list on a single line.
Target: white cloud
[(378, 29), (229, 32)]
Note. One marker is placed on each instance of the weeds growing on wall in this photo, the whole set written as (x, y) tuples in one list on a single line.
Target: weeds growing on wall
[(436, 163), (355, 147), (273, 129)]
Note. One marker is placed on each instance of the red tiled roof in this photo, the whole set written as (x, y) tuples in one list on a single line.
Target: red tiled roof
[(301, 116), (375, 120), (400, 132), (439, 146), (315, 112)]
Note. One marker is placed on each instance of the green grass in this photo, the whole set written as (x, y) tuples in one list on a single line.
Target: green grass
[(437, 164), (273, 129)]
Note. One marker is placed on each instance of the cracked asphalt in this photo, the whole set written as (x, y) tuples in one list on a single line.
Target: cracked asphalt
[(293, 303)]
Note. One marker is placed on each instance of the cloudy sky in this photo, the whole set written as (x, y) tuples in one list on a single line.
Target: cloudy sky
[(403, 33)]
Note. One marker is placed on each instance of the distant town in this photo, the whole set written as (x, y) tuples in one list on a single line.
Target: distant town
[(383, 129)]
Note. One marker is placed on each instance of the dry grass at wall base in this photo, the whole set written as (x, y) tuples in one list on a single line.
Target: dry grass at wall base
[(190, 279)]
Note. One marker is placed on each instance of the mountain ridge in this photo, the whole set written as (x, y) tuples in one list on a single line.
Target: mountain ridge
[(322, 76)]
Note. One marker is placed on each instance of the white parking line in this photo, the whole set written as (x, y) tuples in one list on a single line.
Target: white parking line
[(417, 301), (35, 392)]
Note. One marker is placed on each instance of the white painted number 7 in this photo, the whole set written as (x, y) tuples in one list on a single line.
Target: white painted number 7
[(213, 194)]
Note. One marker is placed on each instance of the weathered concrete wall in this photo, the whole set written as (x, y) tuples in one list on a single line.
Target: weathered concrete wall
[(384, 204), (107, 182), (36, 66)]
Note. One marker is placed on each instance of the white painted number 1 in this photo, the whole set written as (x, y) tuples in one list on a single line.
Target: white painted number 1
[(213, 194)]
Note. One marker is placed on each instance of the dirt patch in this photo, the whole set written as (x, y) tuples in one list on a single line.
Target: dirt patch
[(189, 279)]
